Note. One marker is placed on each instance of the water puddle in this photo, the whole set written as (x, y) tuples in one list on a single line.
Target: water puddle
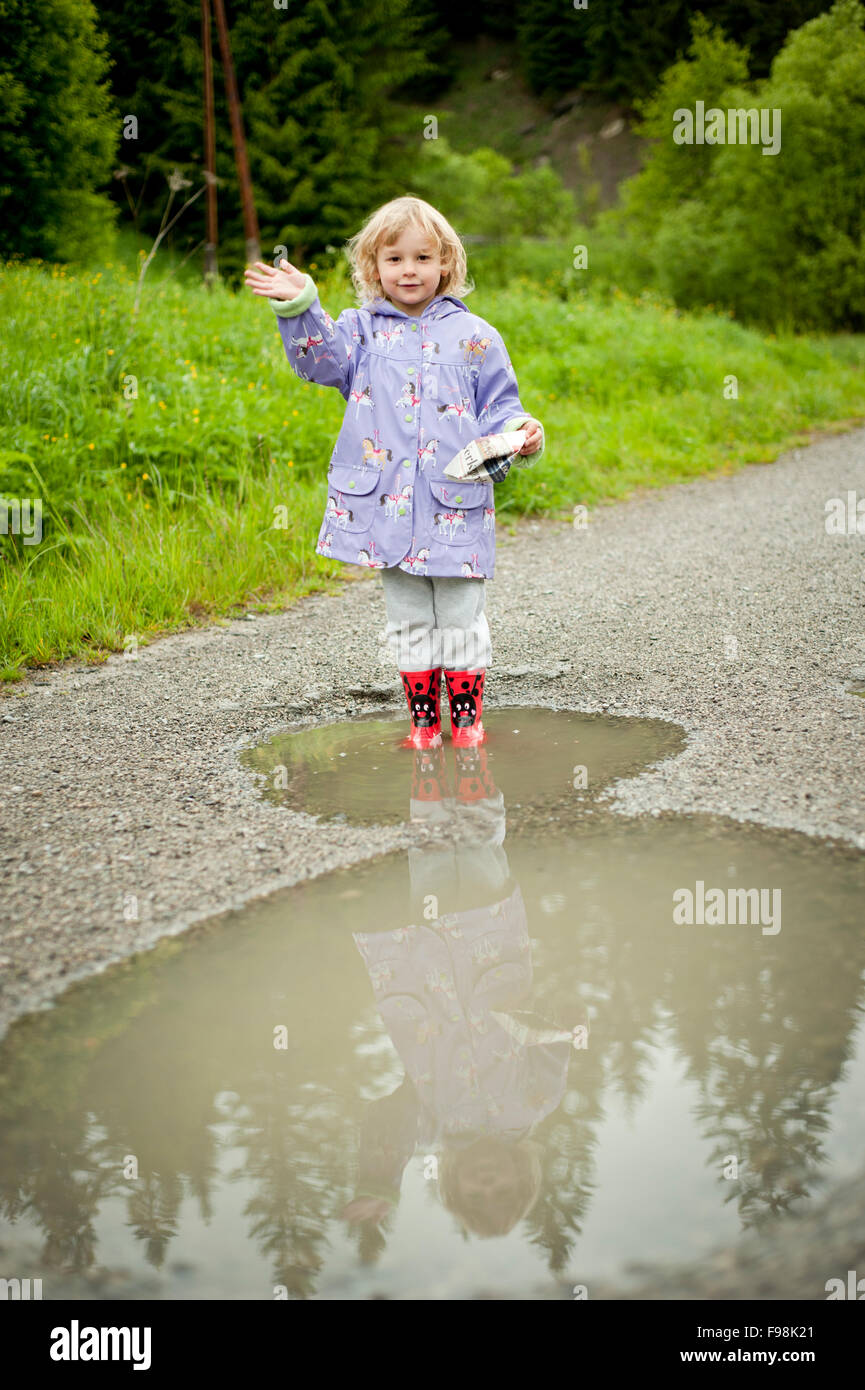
[(542, 760), (503, 1057)]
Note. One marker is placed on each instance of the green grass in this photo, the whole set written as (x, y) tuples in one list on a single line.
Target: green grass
[(159, 510)]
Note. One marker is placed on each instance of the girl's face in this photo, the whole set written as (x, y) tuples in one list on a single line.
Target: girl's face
[(410, 269)]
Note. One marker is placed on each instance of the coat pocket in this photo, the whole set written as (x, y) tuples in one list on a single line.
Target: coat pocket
[(351, 497), (461, 511)]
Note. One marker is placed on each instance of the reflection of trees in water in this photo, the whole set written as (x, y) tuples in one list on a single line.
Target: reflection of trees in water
[(555, 1223), (763, 1029), (153, 1209), (768, 1053), (765, 1033), (298, 1145)]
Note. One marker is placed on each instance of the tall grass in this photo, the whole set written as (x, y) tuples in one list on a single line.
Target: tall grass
[(162, 449)]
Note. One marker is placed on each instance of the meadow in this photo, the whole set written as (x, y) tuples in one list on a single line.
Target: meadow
[(165, 443)]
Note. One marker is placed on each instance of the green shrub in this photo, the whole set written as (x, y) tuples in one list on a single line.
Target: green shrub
[(58, 131), (777, 239)]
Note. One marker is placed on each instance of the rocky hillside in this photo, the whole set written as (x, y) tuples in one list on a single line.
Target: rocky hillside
[(490, 104)]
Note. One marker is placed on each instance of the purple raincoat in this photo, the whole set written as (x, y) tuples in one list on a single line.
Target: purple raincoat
[(417, 388)]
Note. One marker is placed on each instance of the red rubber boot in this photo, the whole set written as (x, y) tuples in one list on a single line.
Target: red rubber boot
[(423, 692), (465, 693)]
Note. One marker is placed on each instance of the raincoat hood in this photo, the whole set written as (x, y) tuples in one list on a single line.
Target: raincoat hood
[(438, 308)]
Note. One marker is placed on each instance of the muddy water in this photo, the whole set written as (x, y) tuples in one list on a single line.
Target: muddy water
[(500, 1058)]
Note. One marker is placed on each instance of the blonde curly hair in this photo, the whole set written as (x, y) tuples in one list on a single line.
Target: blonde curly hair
[(385, 225)]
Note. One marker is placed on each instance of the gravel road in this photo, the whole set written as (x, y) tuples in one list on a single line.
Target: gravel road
[(721, 604)]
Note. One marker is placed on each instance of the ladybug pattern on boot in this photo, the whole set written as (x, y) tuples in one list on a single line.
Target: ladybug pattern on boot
[(422, 698), (464, 708)]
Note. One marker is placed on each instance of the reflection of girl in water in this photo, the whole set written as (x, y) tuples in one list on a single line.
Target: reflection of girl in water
[(480, 1075), (492, 1185)]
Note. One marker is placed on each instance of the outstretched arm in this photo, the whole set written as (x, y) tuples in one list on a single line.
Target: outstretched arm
[(387, 1140), (317, 349)]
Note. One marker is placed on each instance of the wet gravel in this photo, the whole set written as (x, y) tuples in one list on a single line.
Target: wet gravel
[(721, 604)]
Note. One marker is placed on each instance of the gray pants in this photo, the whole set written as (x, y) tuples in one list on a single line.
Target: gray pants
[(434, 621)]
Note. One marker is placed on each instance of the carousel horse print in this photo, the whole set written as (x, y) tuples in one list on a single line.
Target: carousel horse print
[(389, 336), (308, 344), (391, 501), (407, 396), (367, 558), (417, 564), (360, 398), (427, 451), (448, 522), (475, 347), (457, 408), (341, 515), (375, 454)]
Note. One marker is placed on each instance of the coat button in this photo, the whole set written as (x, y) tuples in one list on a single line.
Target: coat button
[(406, 463), (351, 484), (408, 417), (401, 511), (458, 499), (414, 328), (411, 371)]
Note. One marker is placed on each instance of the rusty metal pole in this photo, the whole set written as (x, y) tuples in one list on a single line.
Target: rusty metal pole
[(250, 220), (211, 268)]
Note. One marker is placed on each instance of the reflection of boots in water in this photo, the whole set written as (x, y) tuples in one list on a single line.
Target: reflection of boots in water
[(431, 795), (430, 778), (474, 780)]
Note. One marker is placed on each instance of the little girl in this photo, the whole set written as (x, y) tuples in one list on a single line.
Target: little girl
[(422, 376)]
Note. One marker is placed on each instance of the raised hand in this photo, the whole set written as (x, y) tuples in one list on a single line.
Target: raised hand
[(286, 282)]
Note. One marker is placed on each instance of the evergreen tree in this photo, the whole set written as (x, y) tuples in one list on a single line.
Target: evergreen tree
[(616, 49), (554, 43), (329, 135), (58, 130)]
